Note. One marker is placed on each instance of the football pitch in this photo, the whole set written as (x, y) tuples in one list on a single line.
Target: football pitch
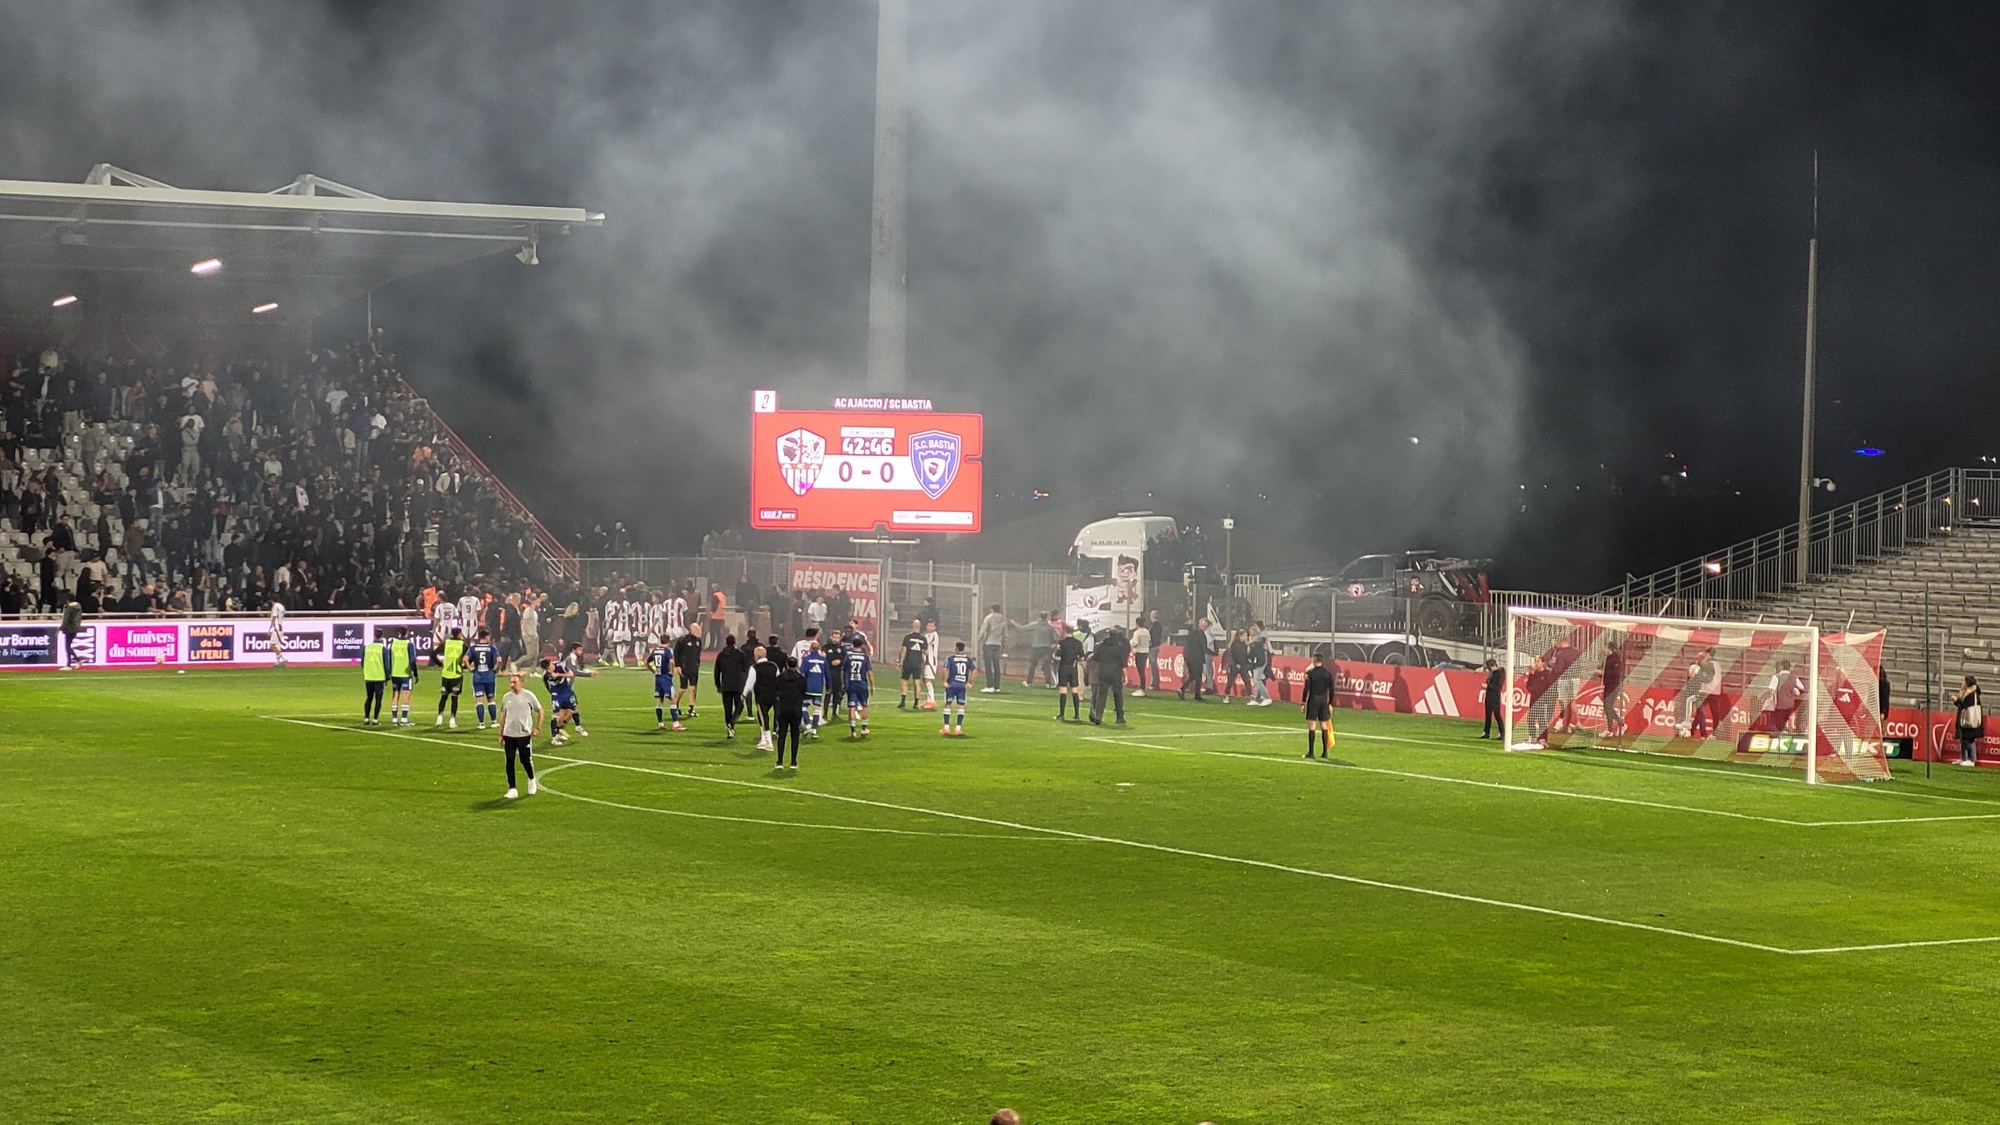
[(224, 898)]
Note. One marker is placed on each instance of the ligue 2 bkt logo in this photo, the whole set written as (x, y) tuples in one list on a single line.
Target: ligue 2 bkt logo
[(934, 458), (801, 455)]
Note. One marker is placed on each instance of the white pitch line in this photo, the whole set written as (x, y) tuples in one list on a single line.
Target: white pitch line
[(1268, 729), (1116, 741), (1894, 945), (778, 823), (1355, 880), (1465, 781)]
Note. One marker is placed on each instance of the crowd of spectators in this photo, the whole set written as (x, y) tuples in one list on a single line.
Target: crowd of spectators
[(177, 484)]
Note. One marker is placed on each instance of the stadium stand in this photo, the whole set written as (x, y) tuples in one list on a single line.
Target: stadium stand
[(1925, 550), (181, 484), (1959, 572)]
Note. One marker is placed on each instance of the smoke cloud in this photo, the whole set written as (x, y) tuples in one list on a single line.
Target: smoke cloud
[(1234, 254)]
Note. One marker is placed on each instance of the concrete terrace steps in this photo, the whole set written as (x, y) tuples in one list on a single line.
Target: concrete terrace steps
[(1962, 573)]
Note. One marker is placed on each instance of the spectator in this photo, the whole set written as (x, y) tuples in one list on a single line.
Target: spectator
[(1041, 649), (992, 643), (1971, 721)]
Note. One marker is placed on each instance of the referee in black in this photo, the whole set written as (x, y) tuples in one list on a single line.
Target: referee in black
[(1318, 704)]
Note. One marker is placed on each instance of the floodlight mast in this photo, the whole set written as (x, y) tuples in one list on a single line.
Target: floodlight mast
[(888, 264), (1812, 359)]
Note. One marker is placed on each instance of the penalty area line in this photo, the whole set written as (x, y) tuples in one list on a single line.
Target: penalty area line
[(1538, 791), (1241, 861)]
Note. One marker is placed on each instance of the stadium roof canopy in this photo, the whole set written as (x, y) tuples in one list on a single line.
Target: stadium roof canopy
[(125, 242)]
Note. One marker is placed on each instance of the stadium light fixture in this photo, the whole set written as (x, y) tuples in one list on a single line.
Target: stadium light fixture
[(64, 301), (267, 306), (205, 267)]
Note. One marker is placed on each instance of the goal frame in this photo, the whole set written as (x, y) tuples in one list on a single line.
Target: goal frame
[(1809, 632)]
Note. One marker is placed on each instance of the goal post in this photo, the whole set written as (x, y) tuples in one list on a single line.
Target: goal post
[(1770, 694)]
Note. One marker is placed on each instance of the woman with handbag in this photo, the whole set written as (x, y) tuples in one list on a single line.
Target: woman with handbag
[(1971, 722)]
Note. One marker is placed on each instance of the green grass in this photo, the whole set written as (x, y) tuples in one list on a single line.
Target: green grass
[(206, 912)]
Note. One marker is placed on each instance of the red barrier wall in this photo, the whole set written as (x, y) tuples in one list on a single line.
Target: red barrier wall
[(1364, 687)]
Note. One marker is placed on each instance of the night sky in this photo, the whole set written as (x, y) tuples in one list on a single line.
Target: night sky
[(1237, 255)]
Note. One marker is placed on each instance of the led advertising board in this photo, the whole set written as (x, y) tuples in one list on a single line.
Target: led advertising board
[(852, 470), (239, 642)]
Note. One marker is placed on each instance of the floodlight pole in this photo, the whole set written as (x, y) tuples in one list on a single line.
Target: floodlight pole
[(1930, 689), (1812, 349), (888, 266)]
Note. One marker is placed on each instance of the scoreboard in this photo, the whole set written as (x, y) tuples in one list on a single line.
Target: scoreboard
[(852, 470)]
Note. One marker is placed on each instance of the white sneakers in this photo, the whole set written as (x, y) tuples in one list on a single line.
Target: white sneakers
[(440, 720), (454, 722), (582, 733), (531, 787), (1963, 762), (511, 794), (989, 691), (559, 740)]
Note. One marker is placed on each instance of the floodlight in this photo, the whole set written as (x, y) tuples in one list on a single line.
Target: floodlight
[(64, 301), (205, 267), (267, 306)]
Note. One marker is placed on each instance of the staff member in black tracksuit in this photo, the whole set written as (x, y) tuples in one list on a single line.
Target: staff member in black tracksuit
[(788, 708), (1194, 658), (732, 672), (1496, 685), (764, 689), (1114, 651)]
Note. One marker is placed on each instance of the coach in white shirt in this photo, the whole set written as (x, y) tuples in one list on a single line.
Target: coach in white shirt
[(520, 718)]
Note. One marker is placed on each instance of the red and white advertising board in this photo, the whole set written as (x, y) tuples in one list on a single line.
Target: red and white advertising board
[(860, 579)]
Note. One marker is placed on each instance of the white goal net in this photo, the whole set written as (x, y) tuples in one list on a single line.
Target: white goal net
[(1780, 695)]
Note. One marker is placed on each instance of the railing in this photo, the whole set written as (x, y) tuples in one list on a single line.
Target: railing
[(1730, 581), (562, 564)]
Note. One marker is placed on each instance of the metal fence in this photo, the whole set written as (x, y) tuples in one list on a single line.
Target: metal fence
[(1729, 581), (953, 586)]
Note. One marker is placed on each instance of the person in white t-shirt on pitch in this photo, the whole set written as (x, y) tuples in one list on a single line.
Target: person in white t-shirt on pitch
[(278, 631), (931, 643), (520, 718)]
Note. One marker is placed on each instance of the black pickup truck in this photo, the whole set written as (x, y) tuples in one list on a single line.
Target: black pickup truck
[(1424, 591)]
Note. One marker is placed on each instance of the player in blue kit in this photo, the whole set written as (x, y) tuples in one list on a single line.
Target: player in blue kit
[(957, 674), (662, 662), (859, 672), (574, 663), (812, 663), (560, 681), (483, 658)]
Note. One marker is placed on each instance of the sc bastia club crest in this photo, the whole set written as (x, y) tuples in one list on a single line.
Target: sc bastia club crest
[(934, 458), (801, 455)]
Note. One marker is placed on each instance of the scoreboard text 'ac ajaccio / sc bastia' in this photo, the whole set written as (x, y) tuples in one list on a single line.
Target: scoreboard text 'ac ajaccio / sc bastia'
[(874, 462)]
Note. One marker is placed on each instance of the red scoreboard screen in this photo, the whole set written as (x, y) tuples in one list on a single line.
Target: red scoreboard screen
[(852, 470)]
